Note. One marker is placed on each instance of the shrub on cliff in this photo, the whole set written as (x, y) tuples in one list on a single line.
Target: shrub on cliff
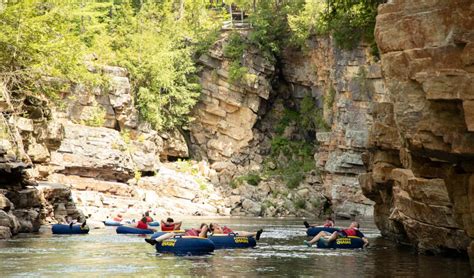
[(252, 178), (348, 21), (156, 41)]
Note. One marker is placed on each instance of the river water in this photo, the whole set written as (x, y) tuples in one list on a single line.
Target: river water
[(279, 252)]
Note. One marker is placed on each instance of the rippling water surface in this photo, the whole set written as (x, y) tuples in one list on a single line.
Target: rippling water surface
[(280, 252)]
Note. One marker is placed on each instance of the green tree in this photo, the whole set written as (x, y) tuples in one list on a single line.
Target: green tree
[(155, 40), (38, 47), (348, 21)]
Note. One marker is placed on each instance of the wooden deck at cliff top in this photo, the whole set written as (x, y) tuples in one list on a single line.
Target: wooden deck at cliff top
[(238, 19)]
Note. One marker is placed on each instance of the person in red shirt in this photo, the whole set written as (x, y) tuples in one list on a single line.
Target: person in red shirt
[(201, 232), (352, 230), (148, 217), (328, 223), (142, 224), (170, 225), (217, 229)]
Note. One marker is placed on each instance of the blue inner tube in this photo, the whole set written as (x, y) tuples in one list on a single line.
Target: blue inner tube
[(132, 230), (109, 222), (342, 243), (185, 245), (62, 229), (312, 231), (154, 224), (232, 241)]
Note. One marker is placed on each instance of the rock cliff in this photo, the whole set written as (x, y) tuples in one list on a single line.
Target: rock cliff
[(112, 160), (23, 203), (236, 127), (422, 142), (233, 129), (343, 83), (227, 110), (88, 153)]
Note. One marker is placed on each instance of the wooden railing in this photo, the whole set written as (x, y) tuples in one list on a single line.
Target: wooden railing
[(238, 20)]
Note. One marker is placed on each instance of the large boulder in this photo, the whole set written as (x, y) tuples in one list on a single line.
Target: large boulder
[(93, 152), (29, 220)]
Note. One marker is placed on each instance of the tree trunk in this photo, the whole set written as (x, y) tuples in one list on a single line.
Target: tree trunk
[(181, 9)]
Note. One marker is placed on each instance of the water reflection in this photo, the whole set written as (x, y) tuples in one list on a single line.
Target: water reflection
[(279, 252)]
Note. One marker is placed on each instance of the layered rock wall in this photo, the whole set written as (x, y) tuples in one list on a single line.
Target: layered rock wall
[(342, 84), (233, 131), (227, 111), (422, 142), (93, 143), (23, 204), (89, 151)]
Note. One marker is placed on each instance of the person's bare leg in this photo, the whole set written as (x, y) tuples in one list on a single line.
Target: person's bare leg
[(160, 238), (256, 235), (332, 237), (244, 233), (317, 237), (165, 236), (177, 225)]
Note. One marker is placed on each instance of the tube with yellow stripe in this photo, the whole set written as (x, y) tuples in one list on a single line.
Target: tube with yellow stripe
[(185, 245), (232, 241), (350, 242)]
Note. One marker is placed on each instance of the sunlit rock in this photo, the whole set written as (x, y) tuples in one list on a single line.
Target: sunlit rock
[(422, 157)]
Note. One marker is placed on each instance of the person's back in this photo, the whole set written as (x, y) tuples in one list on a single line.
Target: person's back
[(142, 224), (148, 217), (170, 225), (167, 227)]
